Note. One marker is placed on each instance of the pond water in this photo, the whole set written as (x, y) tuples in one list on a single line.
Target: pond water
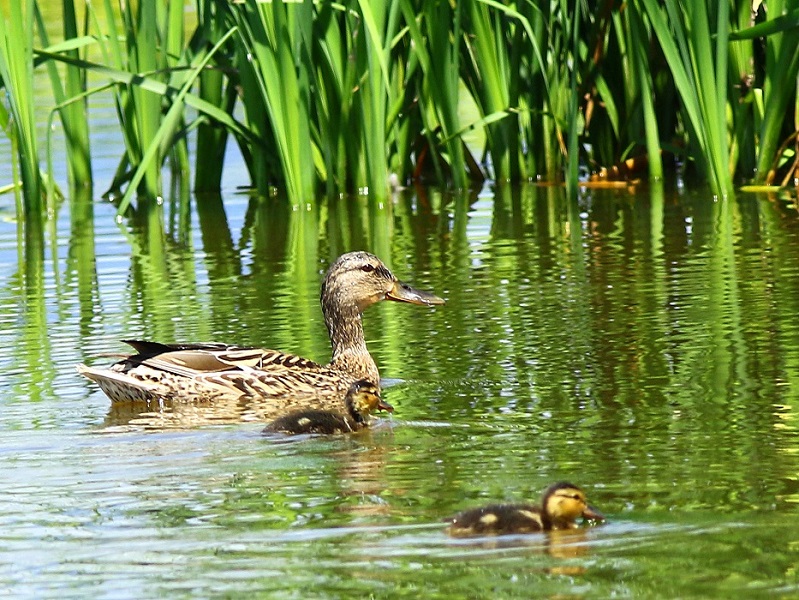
[(642, 343)]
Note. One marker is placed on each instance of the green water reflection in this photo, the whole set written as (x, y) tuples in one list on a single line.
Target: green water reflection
[(644, 345)]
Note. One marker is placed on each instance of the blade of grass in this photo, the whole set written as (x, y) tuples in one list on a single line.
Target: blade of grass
[(167, 126), (146, 105), (441, 86), (689, 55), (782, 64), (573, 156), (16, 71), (156, 87), (74, 116), (272, 34), (646, 91)]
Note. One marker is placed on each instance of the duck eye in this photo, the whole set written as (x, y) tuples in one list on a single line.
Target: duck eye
[(367, 268)]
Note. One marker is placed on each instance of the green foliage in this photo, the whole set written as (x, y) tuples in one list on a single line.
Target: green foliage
[(274, 62), (71, 102), (343, 97), (779, 87), (16, 72), (695, 45)]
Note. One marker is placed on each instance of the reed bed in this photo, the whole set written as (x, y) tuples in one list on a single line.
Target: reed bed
[(357, 96)]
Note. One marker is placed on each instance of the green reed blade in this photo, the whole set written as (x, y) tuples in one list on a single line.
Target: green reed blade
[(782, 64), (211, 141), (643, 75), (777, 24), (699, 78), (74, 115), (16, 71), (376, 91), (437, 50), (277, 85), (147, 106), (157, 87), (573, 155), (159, 141)]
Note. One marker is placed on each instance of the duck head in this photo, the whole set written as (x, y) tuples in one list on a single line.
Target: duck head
[(360, 279), (353, 283), (363, 398), (563, 503)]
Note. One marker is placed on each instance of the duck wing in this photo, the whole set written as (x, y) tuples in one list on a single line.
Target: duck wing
[(212, 371), (192, 360)]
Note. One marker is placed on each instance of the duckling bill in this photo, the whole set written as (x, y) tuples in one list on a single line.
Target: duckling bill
[(561, 505), (362, 399), (210, 371)]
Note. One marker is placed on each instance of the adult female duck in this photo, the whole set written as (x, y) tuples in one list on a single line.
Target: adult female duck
[(208, 372)]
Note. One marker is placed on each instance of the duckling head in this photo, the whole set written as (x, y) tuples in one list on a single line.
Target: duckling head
[(564, 503), (360, 279), (363, 398)]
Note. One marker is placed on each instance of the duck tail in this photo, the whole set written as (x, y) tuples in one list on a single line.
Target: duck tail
[(119, 386)]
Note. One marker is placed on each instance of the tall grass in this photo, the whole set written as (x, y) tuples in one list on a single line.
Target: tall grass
[(329, 98), (275, 78), (16, 71), (69, 94), (217, 90), (694, 39), (778, 124)]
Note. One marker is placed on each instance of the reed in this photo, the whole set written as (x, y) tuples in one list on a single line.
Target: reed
[(275, 78), (16, 71), (697, 59), (490, 79), (69, 94), (379, 23), (625, 107), (144, 40), (436, 37), (216, 89), (337, 104), (781, 32), (642, 68), (338, 97)]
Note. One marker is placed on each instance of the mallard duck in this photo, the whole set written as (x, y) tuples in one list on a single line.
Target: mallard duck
[(212, 371), (561, 505), (361, 400)]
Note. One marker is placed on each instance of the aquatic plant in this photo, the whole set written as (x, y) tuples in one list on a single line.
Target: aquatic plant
[(19, 119), (329, 98)]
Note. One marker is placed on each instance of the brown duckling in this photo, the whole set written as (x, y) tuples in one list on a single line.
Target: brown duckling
[(362, 399), (561, 505)]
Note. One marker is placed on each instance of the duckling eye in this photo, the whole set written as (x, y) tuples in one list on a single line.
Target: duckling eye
[(367, 268)]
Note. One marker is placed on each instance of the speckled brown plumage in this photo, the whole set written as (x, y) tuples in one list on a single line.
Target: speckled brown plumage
[(212, 371)]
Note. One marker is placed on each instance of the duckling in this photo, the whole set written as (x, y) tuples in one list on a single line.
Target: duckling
[(362, 399), (561, 505), (208, 372)]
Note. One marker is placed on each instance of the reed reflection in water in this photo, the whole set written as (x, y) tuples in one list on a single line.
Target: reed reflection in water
[(643, 345)]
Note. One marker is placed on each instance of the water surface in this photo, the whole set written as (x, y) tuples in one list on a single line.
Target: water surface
[(642, 344)]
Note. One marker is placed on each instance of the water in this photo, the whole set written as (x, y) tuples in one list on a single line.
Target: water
[(642, 345)]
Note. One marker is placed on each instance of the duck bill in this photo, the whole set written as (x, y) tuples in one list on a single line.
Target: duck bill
[(592, 514), (402, 292), (383, 405)]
